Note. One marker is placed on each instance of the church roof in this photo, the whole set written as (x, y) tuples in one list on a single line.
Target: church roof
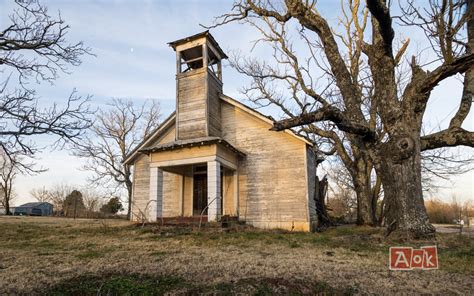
[(206, 33), (201, 141), (142, 147), (153, 135)]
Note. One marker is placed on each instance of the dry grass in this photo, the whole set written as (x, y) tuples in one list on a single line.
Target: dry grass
[(88, 257)]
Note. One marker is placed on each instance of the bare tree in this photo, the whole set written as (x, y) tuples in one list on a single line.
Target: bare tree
[(281, 84), (8, 173), (41, 194), (93, 200), (342, 199), (115, 132), (58, 194), (442, 164), (263, 91), (33, 47), (381, 113)]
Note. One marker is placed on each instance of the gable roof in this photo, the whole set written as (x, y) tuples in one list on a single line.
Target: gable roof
[(140, 148), (153, 136), (33, 204)]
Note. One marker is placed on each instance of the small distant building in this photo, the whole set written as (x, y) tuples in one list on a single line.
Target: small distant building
[(34, 209)]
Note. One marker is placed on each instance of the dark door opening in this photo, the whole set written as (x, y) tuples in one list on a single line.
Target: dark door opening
[(200, 194)]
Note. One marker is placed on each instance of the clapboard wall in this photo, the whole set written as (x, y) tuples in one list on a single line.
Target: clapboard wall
[(141, 181), (191, 104), (198, 112), (273, 177), (214, 110)]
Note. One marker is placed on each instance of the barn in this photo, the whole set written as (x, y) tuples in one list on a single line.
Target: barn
[(34, 209), (215, 156)]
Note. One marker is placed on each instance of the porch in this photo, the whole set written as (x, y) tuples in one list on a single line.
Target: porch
[(194, 178)]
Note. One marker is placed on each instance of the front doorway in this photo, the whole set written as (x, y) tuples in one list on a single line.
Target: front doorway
[(200, 197), (200, 193)]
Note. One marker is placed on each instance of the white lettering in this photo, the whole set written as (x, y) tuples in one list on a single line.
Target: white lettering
[(428, 259), (417, 259), (401, 258)]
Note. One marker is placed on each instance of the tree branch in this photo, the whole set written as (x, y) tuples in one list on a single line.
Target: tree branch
[(458, 65), (448, 138), (381, 13), (328, 113)]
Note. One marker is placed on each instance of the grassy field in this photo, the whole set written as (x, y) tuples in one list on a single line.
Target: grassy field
[(57, 256)]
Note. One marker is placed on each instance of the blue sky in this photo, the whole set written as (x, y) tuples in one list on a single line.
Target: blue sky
[(134, 61)]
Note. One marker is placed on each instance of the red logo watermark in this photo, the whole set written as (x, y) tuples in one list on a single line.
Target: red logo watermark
[(407, 258)]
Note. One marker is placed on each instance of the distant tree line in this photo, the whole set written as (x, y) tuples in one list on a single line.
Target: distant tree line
[(74, 203), (443, 212)]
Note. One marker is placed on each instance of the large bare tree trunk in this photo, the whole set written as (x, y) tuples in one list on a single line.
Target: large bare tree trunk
[(362, 187), (364, 204), (400, 170), (400, 158), (366, 192)]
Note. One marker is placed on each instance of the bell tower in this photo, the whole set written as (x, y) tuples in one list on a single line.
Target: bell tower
[(198, 86)]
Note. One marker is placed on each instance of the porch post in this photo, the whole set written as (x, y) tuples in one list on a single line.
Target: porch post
[(155, 204), (214, 196)]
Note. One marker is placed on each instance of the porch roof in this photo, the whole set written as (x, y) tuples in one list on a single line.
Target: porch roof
[(196, 142)]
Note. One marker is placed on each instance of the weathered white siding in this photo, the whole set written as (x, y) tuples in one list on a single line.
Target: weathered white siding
[(191, 104), (171, 194), (141, 179), (214, 92), (273, 189), (198, 115), (228, 188), (141, 187)]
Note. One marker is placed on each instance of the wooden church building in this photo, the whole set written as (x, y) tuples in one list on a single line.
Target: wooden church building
[(215, 156)]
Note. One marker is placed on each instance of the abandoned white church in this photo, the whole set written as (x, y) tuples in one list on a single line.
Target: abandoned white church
[(215, 156)]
